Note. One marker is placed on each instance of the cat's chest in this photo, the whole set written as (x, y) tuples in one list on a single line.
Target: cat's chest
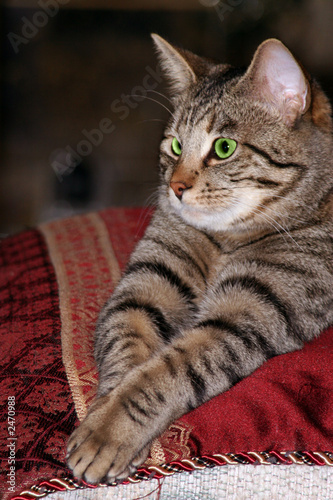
[(234, 262), (221, 266)]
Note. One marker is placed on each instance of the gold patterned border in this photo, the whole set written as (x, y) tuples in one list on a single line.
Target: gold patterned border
[(87, 271)]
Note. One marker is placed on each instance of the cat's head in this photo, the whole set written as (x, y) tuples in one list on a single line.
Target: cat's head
[(244, 150)]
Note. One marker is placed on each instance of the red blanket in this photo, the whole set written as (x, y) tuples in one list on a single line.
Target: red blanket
[(53, 282)]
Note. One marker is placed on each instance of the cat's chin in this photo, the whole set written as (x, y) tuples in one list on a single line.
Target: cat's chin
[(219, 219), (204, 219)]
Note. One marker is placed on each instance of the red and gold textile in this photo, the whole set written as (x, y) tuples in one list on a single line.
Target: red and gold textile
[(53, 282)]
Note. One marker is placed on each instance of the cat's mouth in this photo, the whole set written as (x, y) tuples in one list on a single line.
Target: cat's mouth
[(215, 218), (203, 217)]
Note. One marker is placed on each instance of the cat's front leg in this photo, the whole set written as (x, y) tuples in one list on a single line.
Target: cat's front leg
[(156, 298)]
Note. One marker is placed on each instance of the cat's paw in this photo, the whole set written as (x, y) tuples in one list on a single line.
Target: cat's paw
[(107, 445)]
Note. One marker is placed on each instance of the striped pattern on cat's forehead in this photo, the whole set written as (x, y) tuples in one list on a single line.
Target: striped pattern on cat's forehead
[(207, 99)]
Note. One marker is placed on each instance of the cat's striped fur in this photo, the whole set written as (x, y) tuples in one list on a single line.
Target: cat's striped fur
[(236, 265)]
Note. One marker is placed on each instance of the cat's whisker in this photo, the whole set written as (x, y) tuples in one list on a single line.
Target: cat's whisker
[(150, 120), (278, 225), (270, 220), (285, 215), (263, 216), (275, 211), (162, 95), (154, 100), (152, 199), (280, 214), (142, 219), (149, 204)]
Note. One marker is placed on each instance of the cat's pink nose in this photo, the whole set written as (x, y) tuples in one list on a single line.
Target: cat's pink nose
[(179, 188)]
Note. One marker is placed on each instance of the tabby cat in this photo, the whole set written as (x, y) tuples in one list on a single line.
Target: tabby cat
[(236, 265)]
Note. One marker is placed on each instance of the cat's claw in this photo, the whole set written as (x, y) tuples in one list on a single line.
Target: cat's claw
[(104, 446), (131, 469)]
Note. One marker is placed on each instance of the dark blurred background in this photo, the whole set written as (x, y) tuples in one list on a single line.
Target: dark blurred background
[(71, 138)]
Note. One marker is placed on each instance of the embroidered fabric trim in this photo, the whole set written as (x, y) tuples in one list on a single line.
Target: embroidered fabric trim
[(309, 458)]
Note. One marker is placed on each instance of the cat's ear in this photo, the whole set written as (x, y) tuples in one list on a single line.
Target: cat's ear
[(276, 78), (181, 67)]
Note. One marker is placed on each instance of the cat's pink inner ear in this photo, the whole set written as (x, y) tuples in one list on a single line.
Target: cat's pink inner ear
[(279, 80)]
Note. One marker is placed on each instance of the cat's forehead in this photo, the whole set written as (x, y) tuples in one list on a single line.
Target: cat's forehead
[(212, 121), (209, 118), (210, 105)]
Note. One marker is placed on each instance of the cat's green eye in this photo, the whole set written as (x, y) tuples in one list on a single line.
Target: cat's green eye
[(224, 147), (176, 147)]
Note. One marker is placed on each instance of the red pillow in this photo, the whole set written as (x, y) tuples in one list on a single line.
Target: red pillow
[(53, 282)]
